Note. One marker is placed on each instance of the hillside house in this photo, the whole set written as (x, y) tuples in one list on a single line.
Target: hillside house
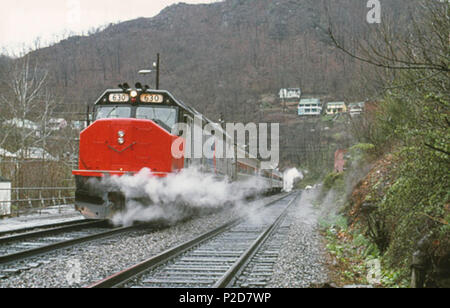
[(336, 107), (310, 107), (356, 109)]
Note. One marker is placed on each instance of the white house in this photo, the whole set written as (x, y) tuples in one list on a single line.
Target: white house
[(24, 124), (36, 153), (356, 109), (27, 124), (5, 153), (57, 123), (310, 107)]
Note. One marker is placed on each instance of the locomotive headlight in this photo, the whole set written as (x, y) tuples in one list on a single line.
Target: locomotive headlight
[(133, 93), (121, 141), (121, 133)]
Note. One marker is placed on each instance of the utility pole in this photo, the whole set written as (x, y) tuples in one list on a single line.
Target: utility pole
[(157, 71), (155, 67)]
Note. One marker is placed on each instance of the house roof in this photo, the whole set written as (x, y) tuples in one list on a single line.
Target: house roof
[(309, 100), (335, 103), (360, 104)]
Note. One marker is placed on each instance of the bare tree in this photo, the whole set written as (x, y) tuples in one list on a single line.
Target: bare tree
[(27, 105), (425, 48)]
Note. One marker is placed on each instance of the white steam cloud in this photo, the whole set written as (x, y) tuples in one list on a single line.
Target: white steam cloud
[(177, 196), (290, 177)]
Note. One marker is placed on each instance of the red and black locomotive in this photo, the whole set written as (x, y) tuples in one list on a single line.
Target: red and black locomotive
[(132, 130)]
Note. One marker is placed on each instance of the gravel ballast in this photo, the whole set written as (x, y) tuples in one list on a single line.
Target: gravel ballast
[(300, 263), (85, 264), (302, 259), (101, 258)]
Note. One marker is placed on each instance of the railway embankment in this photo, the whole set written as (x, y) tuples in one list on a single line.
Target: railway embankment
[(385, 222)]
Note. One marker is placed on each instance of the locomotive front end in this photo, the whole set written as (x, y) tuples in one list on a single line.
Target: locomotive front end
[(124, 138)]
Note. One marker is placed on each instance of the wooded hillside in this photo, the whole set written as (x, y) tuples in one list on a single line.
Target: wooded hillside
[(222, 57)]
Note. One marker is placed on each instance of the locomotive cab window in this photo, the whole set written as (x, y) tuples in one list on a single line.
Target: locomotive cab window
[(166, 116), (113, 112)]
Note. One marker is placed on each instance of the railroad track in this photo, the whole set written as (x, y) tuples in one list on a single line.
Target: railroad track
[(258, 271), (18, 247), (214, 259), (42, 227)]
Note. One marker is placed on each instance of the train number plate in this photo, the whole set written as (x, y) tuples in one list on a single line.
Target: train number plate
[(119, 98), (152, 98)]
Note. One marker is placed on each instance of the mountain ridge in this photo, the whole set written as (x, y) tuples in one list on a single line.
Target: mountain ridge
[(219, 57)]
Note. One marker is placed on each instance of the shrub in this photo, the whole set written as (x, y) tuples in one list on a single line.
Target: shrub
[(333, 180)]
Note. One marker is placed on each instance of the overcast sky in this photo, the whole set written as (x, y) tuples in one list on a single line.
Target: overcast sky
[(22, 21)]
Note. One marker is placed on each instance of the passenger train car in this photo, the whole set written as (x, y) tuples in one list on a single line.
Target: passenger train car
[(131, 130)]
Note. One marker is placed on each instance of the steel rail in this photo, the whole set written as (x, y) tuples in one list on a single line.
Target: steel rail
[(63, 244), (128, 274), (240, 264), (60, 224), (58, 229), (121, 278)]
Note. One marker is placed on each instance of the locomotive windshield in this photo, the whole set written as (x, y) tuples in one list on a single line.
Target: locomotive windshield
[(113, 112), (165, 116)]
